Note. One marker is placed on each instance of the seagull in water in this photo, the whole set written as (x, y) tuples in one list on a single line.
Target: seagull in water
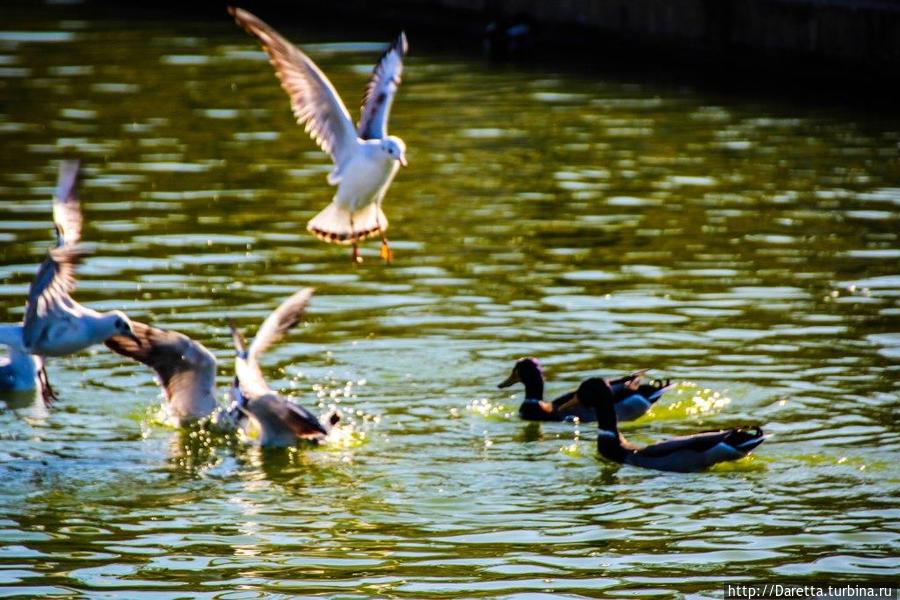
[(365, 157), (186, 370), (281, 423), (55, 324)]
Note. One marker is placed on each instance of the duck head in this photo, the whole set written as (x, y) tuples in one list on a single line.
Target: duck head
[(596, 393), (529, 372)]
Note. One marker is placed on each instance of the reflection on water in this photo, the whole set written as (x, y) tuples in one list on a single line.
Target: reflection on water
[(747, 249)]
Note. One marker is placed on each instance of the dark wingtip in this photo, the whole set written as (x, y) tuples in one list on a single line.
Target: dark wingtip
[(67, 178), (240, 345)]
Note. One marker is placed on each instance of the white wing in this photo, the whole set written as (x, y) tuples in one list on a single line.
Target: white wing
[(282, 318), (315, 102), (380, 91), (66, 209), (288, 313), (50, 291)]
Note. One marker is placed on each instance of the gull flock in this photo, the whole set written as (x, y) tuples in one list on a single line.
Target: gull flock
[(366, 159)]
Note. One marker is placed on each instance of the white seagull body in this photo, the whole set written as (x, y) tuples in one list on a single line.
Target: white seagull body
[(366, 158), (19, 370), (281, 422)]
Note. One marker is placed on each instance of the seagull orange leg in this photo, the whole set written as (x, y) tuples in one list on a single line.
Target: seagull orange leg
[(385, 252)]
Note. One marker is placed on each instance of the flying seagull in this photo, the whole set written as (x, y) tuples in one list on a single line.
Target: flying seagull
[(55, 324), (281, 422), (365, 157)]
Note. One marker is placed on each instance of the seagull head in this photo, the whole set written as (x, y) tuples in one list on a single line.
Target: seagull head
[(395, 149), (119, 324)]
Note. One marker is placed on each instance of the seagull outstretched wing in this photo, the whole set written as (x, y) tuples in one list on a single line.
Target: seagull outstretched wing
[(288, 313), (50, 290), (315, 102), (186, 369), (66, 208), (380, 91)]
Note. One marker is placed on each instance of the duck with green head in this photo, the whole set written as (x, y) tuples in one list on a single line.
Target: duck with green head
[(631, 398), (682, 454)]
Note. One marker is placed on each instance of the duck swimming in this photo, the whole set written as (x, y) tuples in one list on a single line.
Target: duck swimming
[(631, 398), (682, 454)]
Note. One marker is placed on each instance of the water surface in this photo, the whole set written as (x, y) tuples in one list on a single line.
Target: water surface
[(745, 248)]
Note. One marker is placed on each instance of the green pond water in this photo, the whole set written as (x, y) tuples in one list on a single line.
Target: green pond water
[(747, 248)]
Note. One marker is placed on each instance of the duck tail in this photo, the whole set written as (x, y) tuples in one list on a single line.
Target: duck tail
[(746, 438), (655, 390), (338, 225)]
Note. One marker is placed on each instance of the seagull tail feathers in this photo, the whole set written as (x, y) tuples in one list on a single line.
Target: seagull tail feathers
[(337, 225)]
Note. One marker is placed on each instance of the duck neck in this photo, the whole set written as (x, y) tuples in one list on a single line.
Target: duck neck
[(612, 445), (534, 389), (610, 441)]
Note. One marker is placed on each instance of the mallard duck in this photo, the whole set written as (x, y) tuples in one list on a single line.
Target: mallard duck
[(281, 423), (366, 158), (632, 399), (682, 454)]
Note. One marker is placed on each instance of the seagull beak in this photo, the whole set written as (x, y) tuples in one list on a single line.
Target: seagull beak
[(403, 161), (512, 379)]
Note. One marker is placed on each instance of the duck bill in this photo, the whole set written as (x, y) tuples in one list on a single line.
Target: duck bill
[(511, 380)]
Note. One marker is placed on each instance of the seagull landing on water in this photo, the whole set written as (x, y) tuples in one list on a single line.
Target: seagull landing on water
[(365, 158), (186, 370), (55, 324), (281, 422)]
